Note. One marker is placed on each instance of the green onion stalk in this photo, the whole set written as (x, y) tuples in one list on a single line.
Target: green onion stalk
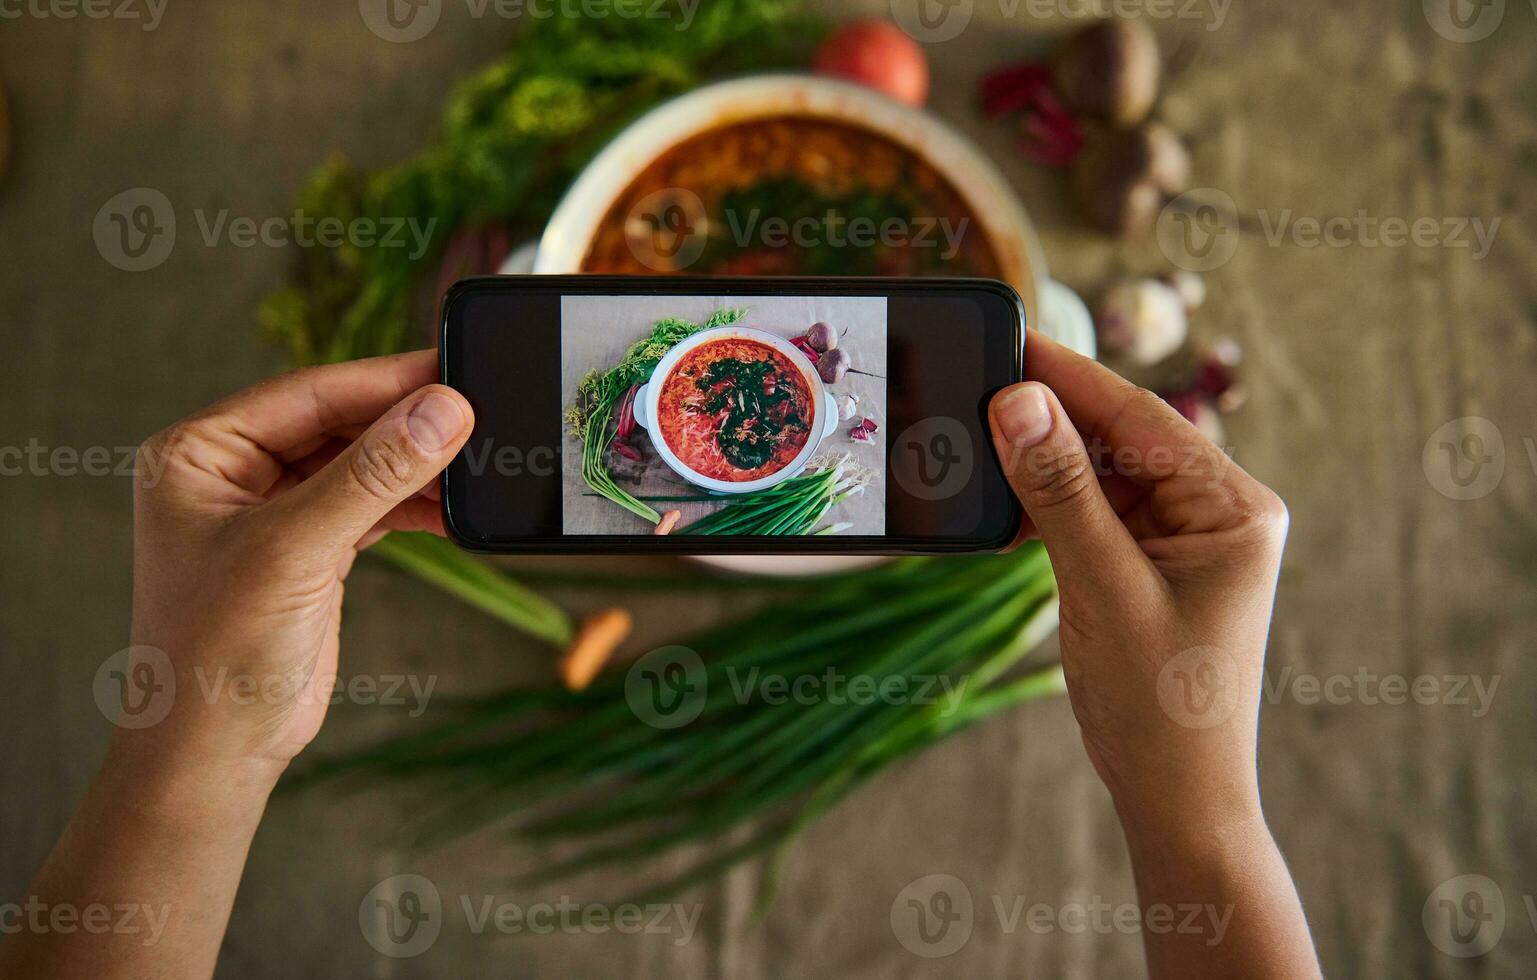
[(510, 140), (443, 564), (599, 778), (795, 506)]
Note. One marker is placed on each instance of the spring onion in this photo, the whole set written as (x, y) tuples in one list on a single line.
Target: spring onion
[(792, 507), (582, 771)]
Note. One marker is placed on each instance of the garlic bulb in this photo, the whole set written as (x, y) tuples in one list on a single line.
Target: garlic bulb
[(1143, 319)]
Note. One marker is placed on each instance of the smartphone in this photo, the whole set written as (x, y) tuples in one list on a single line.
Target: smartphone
[(729, 416)]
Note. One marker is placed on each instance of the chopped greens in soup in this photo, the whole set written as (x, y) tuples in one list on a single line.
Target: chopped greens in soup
[(791, 195), (735, 409)]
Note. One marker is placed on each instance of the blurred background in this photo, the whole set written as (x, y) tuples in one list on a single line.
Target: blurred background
[(1351, 185)]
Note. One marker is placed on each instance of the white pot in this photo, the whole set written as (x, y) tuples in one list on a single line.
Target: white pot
[(1049, 306), (826, 418)]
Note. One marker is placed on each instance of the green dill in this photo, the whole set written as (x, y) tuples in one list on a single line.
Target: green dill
[(512, 137)]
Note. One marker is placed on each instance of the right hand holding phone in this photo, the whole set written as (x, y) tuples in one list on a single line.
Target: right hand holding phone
[(1166, 553)]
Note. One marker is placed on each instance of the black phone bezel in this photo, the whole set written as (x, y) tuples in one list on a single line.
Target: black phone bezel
[(563, 544)]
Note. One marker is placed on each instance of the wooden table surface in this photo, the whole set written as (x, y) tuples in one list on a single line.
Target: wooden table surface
[(1358, 352)]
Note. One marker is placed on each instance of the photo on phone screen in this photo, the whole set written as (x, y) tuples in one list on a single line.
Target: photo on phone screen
[(734, 410), (723, 415)]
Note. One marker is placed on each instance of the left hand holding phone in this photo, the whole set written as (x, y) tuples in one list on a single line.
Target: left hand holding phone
[(247, 518), (250, 514)]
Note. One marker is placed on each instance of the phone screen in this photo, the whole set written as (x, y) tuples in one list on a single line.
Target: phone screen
[(755, 415)]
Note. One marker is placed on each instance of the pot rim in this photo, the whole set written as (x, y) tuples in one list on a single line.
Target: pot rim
[(993, 203)]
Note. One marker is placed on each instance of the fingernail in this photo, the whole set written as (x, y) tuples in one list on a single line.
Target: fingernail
[(1024, 416), (434, 421)]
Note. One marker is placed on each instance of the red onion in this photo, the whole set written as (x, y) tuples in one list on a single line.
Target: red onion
[(801, 345), (627, 413)]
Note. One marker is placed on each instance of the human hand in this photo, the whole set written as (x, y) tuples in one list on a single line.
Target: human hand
[(1166, 555), (247, 519)]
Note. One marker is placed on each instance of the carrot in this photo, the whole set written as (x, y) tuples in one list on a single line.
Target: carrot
[(668, 522), (595, 643)]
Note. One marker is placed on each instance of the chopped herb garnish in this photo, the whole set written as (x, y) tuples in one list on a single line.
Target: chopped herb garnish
[(758, 408)]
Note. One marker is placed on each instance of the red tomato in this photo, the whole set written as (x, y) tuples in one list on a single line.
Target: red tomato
[(879, 54)]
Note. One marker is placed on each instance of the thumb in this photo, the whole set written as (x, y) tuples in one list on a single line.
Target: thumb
[(396, 457), (1046, 463)]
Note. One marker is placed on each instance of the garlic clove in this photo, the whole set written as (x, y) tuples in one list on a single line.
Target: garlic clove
[(1192, 288)]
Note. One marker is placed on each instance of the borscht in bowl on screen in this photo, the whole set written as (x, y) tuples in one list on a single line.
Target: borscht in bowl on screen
[(735, 409)]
